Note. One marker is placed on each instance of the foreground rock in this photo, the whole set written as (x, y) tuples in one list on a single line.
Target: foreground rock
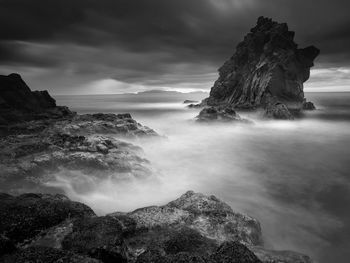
[(267, 71), (193, 228)]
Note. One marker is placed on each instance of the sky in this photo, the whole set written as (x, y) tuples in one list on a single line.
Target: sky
[(118, 46)]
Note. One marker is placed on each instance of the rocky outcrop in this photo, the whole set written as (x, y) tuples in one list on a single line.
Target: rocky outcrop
[(18, 103), (220, 113), (192, 228), (267, 70), (190, 101)]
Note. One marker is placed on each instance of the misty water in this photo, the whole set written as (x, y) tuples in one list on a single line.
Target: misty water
[(293, 176)]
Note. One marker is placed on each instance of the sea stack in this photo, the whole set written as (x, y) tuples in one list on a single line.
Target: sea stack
[(266, 71)]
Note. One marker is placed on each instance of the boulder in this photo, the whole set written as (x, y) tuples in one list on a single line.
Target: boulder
[(267, 67), (220, 113), (211, 217)]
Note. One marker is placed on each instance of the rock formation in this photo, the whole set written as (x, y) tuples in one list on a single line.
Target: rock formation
[(193, 228), (267, 70)]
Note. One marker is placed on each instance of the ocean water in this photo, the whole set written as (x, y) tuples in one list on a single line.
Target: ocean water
[(293, 176)]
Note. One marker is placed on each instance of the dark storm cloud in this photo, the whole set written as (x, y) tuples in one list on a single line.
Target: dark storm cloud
[(152, 41)]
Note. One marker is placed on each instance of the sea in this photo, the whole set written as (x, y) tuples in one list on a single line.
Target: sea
[(293, 176)]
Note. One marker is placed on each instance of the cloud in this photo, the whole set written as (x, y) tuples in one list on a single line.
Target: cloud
[(158, 42)]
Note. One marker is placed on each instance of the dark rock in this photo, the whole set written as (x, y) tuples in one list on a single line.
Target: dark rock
[(219, 113), (308, 105), (25, 216), (195, 106), (46, 255), (189, 101), (267, 64), (234, 252)]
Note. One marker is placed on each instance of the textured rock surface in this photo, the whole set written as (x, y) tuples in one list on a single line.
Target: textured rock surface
[(19, 103), (271, 256), (267, 68)]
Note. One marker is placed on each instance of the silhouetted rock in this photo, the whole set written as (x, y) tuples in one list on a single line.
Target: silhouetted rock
[(267, 68), (18, 103)]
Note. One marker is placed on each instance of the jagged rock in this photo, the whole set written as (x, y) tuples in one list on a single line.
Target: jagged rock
[(267, 64), (223, 114), (18, 103), (25, 216), (46, 255)]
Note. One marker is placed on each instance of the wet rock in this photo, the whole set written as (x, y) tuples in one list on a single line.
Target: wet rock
[(267, 64), (25, 216), (47, 255), (220, 113)]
